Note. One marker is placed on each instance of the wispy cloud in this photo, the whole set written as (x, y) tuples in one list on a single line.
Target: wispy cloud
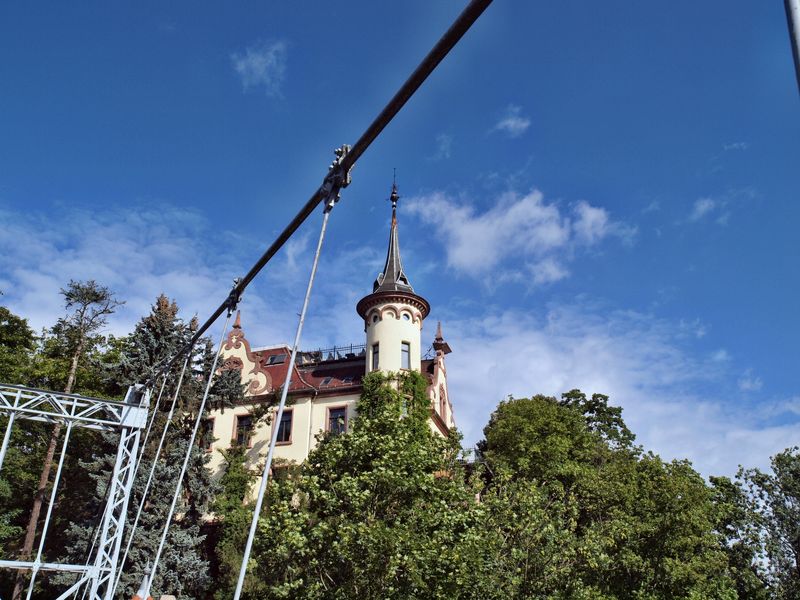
[(513, 123), (735, 146), (444, 144), (653, 206), (521, 238), (262, 65), (701, 208), (749, 382), (644, 364)]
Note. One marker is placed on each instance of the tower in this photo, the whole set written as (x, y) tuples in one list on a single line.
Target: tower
[(393, 313)]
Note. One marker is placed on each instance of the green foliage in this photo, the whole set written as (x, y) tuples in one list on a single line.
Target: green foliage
[(736, 526), (233, 517), (625, 525), (380, 512), (561, 503), (774, 500), (17, 343)]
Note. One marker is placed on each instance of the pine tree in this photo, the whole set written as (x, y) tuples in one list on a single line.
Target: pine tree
[(183, 570)]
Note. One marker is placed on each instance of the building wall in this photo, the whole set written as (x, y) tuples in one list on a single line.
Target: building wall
[(309, 417)]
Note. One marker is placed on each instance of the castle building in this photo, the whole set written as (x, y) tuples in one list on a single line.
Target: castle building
[(326, 383)]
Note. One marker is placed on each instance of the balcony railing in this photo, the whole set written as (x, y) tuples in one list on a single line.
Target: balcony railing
[(335, 353)]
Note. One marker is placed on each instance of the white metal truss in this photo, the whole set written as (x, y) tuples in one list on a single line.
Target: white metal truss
[(129, 418)]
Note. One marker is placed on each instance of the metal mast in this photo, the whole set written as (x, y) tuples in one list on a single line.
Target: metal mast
[(129, 418)]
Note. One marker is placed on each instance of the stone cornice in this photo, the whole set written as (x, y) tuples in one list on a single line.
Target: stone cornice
[(367, 302)]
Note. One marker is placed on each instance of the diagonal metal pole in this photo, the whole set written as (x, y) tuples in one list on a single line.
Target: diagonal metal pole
[(793, 16), (284, 392), (446, 43)]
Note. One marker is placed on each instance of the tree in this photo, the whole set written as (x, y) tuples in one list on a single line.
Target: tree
[(380, 512), (233, 516), (775, 501), (17, 343), (737, 527), (155, 339), (88, 305), (626, 524)]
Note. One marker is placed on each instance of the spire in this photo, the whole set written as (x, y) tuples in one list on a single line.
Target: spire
[(393, 278), (237, 324), (438, 341)]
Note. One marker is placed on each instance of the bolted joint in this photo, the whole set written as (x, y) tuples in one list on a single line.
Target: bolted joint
[(234, 297), (336, 179)]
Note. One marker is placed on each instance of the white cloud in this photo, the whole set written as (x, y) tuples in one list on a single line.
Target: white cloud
[(749, 382), (513, 123), (654, 206), (642, 362), (516, 229), (701, 208), (444, 145), (262, 65), (140, 253), (736, 146), (548, 271), (720, 355)]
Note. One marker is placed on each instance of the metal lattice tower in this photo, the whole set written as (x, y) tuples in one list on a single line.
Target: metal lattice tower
[(128, 418)]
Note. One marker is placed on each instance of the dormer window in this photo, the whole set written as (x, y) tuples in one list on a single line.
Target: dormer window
[(276, 359)]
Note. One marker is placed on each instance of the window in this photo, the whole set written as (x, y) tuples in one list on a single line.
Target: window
[(276, 359), (375, 361), (206, 434), (406, 317), (244, 430), (285, 428), (347, 379), (326, 381), (405, 355), (374, 318), (337, 420)]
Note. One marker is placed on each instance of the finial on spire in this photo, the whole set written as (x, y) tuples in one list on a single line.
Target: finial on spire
[(237, 324), (395, 196)]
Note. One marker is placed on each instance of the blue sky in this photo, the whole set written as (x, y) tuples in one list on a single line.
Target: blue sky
[(598, 196)]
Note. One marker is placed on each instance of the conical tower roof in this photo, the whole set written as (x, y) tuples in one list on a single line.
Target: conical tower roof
[(393, 281), (393, 278)]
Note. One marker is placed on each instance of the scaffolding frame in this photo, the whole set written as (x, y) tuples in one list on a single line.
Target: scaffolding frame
[(128, 418)]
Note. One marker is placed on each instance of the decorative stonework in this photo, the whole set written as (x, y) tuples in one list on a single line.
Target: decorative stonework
[(237, 348)]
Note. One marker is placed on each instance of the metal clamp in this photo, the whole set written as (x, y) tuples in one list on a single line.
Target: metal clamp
[(336, 179), (234, 297)]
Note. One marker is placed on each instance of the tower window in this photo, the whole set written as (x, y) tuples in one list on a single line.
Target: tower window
[(375, 360), (405, 355), (285, 428), (406, 317)]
